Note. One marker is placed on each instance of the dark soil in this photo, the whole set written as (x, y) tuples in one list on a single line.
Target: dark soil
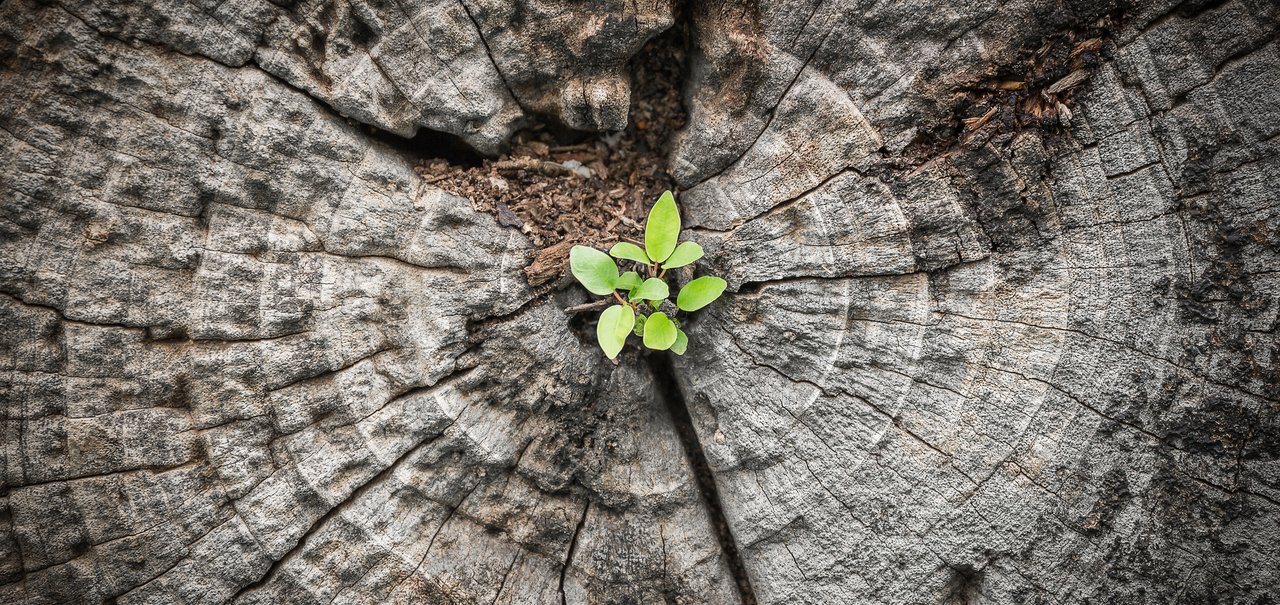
[(565, 188)]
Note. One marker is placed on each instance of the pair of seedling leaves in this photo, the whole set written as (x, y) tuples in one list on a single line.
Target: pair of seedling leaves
[(638, 312)]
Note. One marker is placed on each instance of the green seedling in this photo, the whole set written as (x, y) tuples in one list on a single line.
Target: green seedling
[(639, 293)]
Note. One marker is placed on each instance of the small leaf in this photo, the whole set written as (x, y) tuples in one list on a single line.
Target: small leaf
[(594, 269), (659, 332), (628, 281), (685, 254), (652, 289), (662, 228), (613, 328), (630, 251), (639, 329), (700, 293), (681, 343)]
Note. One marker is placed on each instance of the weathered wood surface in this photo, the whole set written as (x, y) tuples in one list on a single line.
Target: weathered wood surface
[(249, 355)]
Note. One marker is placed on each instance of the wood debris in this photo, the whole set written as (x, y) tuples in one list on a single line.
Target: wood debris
[(592, 190)]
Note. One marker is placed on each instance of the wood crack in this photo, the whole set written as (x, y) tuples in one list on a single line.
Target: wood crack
[(573, 547), (773, 111), (489, 52), (273, 569), (669, 390), (1120, 344)]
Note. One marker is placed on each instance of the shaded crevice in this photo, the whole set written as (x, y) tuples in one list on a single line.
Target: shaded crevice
[(964, 588), (573, 548), (755, 287), (664, 376), (429, 144)]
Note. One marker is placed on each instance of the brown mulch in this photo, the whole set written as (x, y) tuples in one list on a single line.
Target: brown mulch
[(594, 191)]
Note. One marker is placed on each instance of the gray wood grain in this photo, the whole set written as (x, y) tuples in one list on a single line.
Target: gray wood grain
[(249, 355)]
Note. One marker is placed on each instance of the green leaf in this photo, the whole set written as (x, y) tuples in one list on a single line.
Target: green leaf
[(681, 343), (685, 254), (659, 332), (663, 228), (700, 293), (597, 272), (613, 329), (652, 289), (629, 251), (639, 329), (628, 281)]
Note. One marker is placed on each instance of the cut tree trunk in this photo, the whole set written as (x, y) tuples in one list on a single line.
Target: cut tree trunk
[(1001, 326)]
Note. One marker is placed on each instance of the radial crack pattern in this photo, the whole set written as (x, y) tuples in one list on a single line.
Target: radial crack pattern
[(1001, 320)]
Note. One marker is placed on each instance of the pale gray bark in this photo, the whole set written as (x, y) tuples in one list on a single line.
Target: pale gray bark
[(250, 355), (1037, 367)]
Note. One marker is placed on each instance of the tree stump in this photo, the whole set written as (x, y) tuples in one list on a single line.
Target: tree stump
[(1001, 325)]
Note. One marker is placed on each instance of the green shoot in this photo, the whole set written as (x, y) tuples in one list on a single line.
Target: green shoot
[(646, 287)]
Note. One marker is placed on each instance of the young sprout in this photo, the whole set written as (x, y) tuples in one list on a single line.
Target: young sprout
[(645, 288)]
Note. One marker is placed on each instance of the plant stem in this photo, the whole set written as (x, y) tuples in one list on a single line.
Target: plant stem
[(587, 306)]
